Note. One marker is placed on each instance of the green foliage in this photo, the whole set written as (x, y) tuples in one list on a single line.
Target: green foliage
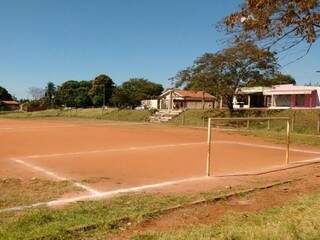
[(4, 94), (130, 93), (281, 24), (279, 78), (50, 93), (222, 73), (101, 90), (80, 93), (2, 107), (74, 94)]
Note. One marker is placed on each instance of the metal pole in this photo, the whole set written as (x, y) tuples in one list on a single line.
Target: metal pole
[(293, 121), (104, 96), (288, 142), (268, 124), (183, 117), (318, 126), (209, 148), (248, 124)]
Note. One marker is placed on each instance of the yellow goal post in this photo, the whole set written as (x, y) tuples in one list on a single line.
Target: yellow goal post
[(248, 119)]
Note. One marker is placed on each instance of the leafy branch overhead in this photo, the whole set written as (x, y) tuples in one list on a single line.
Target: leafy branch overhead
[(276, 23)]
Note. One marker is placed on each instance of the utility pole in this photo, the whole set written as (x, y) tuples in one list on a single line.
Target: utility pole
[(104, 96)]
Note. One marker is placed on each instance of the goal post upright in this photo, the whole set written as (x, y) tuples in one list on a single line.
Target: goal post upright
[(288, 142), (208, 163)]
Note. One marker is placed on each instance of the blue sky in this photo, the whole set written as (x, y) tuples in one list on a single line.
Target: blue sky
[(46, 40)]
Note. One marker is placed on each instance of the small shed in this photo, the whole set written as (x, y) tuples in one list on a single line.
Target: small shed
[(10, 105)]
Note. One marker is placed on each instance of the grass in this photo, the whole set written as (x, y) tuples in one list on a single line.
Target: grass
[(299, 219), (111, 114), (104, 218), (16, 192), (304, 123), (279, 137), (87, 220)]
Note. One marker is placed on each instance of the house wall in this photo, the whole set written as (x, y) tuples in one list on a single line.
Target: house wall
[(318, 97), (198, 104), (282, 100), (11, 107), (297, 100)]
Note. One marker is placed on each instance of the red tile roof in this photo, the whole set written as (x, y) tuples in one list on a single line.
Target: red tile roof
[(189, 94), (9, 102)]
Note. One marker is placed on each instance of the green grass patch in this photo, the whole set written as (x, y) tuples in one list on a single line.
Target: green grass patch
[(305, 120), (16, 192), (280, 137), (304, 123), (87, 220), (299, 219), (112, 114)]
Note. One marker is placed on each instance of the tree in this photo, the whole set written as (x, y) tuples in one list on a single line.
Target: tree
[(4, 94), (279, 78), (36, 93), (74, 94), (132, 92), (285, 23), (101, 90), (82, 98), (221, 73), (50, 92)]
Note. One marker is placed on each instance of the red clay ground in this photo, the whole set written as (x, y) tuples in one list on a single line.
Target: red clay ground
[(112, 156)]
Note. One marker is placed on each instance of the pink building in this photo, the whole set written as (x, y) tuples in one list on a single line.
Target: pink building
[(278, 97), (291, 96)]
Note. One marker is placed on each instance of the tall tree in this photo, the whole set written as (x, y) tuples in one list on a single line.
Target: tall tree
[(66, 93), (222, 73), (101, 90), (130, 93), (4, 94), (50, 92), (82, 98), (281, 23)]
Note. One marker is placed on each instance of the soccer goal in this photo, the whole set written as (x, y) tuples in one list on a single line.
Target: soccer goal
[(210, 160)]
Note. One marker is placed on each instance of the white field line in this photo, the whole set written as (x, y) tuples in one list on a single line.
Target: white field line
[(113, 150), (137, 148), (267, 146), (104, 195), (306, 161), (35, 128), (55, 176), (109, 194)]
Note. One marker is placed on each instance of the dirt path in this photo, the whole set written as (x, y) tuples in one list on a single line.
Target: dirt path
[(307, 180)]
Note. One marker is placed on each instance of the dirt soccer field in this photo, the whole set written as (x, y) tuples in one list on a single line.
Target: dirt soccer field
[(104, 158)]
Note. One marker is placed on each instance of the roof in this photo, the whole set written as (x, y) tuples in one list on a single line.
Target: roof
[(248, 90), (9, 102), (286, 89), (190, 95)]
